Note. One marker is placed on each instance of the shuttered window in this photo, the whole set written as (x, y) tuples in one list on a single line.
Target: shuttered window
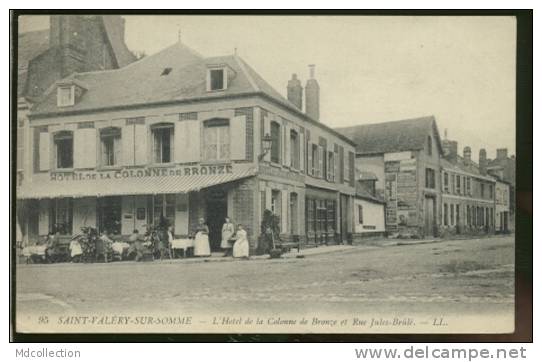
[(162, 136), (216, 139), (64, 149), (276, 142), (110, 146)]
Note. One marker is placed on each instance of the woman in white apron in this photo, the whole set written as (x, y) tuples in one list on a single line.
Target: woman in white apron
[(240, 248), (75, 250), (201, 242), (228, 230)]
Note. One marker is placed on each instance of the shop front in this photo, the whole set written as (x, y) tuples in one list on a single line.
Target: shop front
[(121, 202), (324, 209)]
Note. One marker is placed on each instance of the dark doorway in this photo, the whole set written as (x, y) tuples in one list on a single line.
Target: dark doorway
[(430, 216), (217, 210)]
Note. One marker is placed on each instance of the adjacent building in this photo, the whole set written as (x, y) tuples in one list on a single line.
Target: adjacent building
[(369, 208), (177, 136), (405, 158)]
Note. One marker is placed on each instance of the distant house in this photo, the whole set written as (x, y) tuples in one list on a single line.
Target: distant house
[(368, 208)]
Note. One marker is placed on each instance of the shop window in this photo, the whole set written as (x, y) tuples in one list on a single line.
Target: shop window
[(61, 216), (321, 215), (163, 207), (162, 142), (457, 214), (331, 212), (64, 149), (360, 214), (429, 146), (294, 150), (311, 220), (458, 184), (109, 215), (276, 142), (445, 214), (468, 216), (429, 178), (110, 146), (452, 221), (446, 182), (216, 139), (315, 160)]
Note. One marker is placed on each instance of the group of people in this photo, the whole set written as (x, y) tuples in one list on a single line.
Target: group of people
[(233, 242)]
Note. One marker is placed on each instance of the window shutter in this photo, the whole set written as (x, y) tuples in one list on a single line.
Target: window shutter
[(238, 129), (301, 150), (128, 156), (140, 149), (321, 162), (285, 207), (287, 152), (193, 144), (308, 150), (84, 146), (341, 164), (44, 151), (180, 142)]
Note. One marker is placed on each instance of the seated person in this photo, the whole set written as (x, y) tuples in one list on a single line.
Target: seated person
[(136, 246)]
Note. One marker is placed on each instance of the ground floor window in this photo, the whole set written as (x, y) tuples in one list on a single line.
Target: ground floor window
[(445, 214), (61, 216), (452, 221), (321, 215), (163, 207), (109, 215), (457, 214)]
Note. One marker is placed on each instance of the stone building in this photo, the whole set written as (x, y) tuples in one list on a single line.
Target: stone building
[(369, 208), (405, 157), (179, 136), (468, 195)]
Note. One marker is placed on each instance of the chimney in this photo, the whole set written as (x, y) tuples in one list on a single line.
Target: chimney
[(467, 154), (502, 153), (312, 96), (482, 161), (295, 92)]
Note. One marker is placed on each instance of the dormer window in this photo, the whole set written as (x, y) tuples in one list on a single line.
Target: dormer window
[(66, 95), (217, 79)]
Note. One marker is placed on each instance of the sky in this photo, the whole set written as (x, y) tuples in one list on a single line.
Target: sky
[(370, 68)]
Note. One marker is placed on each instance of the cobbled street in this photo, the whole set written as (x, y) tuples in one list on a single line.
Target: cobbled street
[(440, 279)]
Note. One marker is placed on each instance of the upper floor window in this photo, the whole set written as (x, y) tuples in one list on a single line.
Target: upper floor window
[(458, 184), (162, 142), (216, 139), (429, 146), (294, 150), (65, 96), (64, 149), (490, 191), (315, 161), (483, 190), (446, 182), (330, 166), (468, 186), (217, 79), (346, 164), (275, 145), (429, 178), (110, 146)]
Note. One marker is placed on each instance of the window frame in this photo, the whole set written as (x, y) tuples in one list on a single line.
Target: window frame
[(430, 178), (295, 150), (59, 99), (275, 129), (210, 72), (217, 124), (360, 214), (62, 136), (160, 127), (429, 145), (114, 133)]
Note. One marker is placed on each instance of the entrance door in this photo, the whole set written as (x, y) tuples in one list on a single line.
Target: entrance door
[(430, 217), (217, 210)]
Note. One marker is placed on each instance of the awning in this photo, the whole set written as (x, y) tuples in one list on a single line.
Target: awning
[(132, 182)]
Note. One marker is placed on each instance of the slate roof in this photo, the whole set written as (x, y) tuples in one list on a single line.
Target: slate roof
[(30, 45), (141, 83), (362, 193), (462, 165), (395, 136)]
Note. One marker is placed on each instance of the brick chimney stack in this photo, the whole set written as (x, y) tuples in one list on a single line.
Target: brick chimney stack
[(295, 92), (482, 161), (502, 153), (312, 96), (467, 154)]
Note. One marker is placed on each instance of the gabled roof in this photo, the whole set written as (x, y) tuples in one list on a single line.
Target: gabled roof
[(464, 166), (395, 136), (142, 83), (30, 45)]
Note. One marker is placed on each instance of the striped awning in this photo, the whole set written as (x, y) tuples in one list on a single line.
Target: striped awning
[(133, 182)]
